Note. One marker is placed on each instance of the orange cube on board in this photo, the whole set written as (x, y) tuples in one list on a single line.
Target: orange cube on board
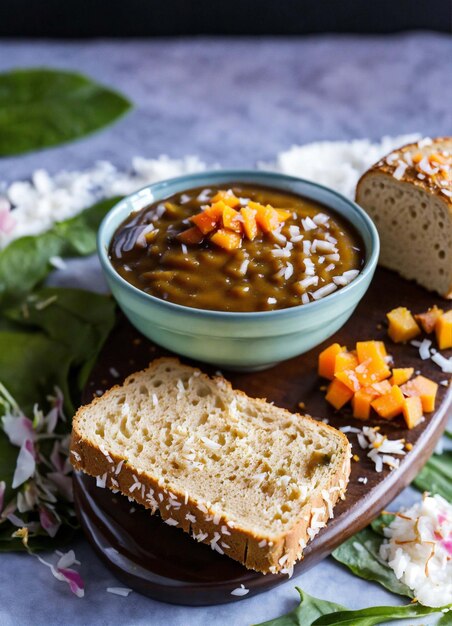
[(425, 389), (345, 361), (371, 356), (402, 325), (389, 405), (327, 360), (443, 330), (400, 375), (349, 378), (338, 394), (382, 388), (412, 411), (226, 239), (361, 402), (428, 319), (249, 222)]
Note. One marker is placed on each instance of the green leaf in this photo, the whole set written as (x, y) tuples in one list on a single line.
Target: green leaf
[(25, 262), (42, 107), (379, 523), (436, 475), (49, 344), (306, 613), (445, 620), (315, 612), (375, 615), (360, 554)]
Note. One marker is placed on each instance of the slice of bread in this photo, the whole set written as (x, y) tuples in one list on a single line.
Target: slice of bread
[(252, 480), (408, 194)]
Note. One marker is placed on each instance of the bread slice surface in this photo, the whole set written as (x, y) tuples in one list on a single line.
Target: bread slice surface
[(252, 480), (411, 205)]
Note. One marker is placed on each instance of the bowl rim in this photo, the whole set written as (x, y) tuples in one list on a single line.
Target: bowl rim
[(240, 175)]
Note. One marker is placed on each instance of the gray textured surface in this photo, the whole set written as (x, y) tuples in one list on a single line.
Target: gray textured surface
[(232, 102)]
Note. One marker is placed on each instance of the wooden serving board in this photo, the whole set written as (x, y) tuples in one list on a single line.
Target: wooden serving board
[(165, 563)]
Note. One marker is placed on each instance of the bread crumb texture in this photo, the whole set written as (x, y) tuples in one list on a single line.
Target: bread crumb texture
[(252, 480)]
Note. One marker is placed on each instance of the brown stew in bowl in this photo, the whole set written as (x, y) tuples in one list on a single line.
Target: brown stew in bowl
[(237, 248)]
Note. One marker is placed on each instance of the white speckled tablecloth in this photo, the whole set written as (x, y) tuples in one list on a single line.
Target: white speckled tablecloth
[(232, 102)]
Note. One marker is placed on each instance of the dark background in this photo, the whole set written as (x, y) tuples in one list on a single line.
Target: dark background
[(142, 18)]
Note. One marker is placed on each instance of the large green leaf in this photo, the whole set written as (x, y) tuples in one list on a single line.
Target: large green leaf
[(306, 613), (436, 475), (25, 262), (315, 612), (44, 107), (360, 554)]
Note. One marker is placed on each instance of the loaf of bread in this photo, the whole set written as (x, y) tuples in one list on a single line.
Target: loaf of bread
[(408, 194), (253, 481)]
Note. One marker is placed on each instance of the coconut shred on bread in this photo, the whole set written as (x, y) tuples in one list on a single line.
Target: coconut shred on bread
[(252, 480), (408, 194)]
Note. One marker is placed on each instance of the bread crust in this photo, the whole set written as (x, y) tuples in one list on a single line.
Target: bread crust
[(258, 552), (410, 178)]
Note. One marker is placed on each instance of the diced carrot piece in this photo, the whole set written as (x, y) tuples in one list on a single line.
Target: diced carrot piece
[(266, 216), (283, 215), (327, 359), (249, 222), (425, 389), (371, 356), (428, 319), (215, 210), (348, 377), (205, 222), (345, 361), (402, 325), (383, 387), (389, 405), (361, 402), (338, 394), (226, 239), (232, 219), (191, 236), (443, 330), (400, 375), (412, 411), (227, 197)]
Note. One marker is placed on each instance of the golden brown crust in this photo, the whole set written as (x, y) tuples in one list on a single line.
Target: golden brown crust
[(258, 552), (411, 175)]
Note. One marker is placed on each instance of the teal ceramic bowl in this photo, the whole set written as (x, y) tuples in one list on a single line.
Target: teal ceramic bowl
[(244, 341)]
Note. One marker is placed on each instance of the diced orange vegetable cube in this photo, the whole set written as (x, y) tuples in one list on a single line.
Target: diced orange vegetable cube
[(428, 319), (283, 215), (232, 219), (266, 216), (412, 411), (443, 330), (425, 389), (371, 356), (383, 387), (402, 325), (338, 394), (400, 375), (389, 405), (191, 236), (348, 377), (345, 361), (226, 239), (227, 197), (249, 222), (327, 359), (205, 222), (361, 402), (215, 210)]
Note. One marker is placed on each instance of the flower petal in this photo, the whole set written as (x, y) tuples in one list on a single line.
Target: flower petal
[(74, 580), (18, 429), (49, 522), (25, 465), (66, 559), (64, 484), (2, 494)]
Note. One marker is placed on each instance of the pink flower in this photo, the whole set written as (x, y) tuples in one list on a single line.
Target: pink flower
[(62, 572), (18, 429), (25, 464), (49, 522), (7, 221)]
